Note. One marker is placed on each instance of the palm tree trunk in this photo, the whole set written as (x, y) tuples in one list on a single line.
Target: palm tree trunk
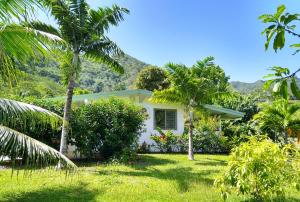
[(66, 119), (67, 109), (191, 152)]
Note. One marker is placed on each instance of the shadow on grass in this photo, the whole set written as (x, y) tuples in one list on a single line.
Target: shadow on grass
[(211, 162), (146, 161), (57, 194), (183, 176)]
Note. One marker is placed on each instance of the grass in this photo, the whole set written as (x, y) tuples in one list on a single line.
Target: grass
[(156, 177)]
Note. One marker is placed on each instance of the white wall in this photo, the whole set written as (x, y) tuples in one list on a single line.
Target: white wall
[(149, 123)]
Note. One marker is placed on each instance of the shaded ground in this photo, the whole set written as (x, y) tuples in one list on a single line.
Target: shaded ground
[(156, 177)]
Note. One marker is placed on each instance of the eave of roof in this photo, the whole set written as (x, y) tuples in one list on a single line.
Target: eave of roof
[(95, 96), (216, 110)]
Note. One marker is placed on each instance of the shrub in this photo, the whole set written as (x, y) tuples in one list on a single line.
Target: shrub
[(109, 128), (166, 141), (210, 142), (206, 139), (261, 169)]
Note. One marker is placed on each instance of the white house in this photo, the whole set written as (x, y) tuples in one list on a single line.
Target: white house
[(164, 116)]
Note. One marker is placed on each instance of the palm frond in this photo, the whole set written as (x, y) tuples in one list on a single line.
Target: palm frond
[(293, 108), (11, 111), (18, 43), (169, 95), (103, 45), (43, 28), (10, 9), (103, 18), (102, 57), (14, 145)]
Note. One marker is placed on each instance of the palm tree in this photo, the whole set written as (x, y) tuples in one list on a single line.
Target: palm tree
[(83, 31), (18, 145), (191, 87), (279, 119), (18, 43)]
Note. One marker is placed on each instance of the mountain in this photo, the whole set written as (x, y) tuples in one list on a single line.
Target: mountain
[(244, 87), (44, 79)]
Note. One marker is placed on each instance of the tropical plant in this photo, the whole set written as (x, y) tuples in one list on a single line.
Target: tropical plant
[(19, 43), (152, 78), (18, 145), (243, 103), (261, 169), (107, 128), (280, 24), (83, 32), (165, 141), (279, 119), (192, 87)]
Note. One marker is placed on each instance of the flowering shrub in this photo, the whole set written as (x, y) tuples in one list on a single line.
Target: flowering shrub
[(166, 141)]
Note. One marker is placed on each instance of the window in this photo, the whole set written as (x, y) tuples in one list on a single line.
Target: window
[(165, 119)]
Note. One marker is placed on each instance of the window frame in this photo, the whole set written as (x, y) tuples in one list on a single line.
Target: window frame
[(165, 120)]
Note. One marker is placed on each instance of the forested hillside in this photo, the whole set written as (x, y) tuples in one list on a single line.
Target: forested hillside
[(45, 80)]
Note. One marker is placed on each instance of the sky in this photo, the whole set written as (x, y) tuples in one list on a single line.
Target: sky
[(184, 31)]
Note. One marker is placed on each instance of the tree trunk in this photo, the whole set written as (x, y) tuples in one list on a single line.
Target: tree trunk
[(67, 109), (66, 119), (191, 126)]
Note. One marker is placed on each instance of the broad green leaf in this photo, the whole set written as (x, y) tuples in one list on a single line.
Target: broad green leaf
[(295, 88), (268, 83), (269, 37), (297, 45), (284, 89), (280, 10), (279, 41), (290, 18)]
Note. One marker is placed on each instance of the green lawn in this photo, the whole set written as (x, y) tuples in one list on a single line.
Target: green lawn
[(155, 177)]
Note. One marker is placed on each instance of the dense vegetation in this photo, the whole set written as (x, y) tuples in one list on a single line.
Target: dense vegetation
[(107, 129), (94, 77)]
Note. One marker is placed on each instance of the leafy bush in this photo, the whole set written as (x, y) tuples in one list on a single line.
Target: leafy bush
[(206, 138), (210, 142), (166, 141), (261, 169), (109, 128)]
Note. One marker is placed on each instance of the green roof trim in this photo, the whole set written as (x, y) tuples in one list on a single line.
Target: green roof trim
[(95, 96), (224, 112), (214, 109)]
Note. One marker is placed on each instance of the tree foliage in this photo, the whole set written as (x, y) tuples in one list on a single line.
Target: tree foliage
[(152, 78), (193, 87), (281, 23)]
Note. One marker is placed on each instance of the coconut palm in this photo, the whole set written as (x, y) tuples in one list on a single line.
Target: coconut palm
[(279, 119), (83, 31), (18, 43), (16, 145), (192, 87)]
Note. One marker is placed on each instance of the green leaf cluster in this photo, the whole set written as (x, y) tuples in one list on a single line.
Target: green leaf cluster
[(260, 168)]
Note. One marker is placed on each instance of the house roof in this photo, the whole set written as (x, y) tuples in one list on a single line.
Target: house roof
[(224, 113)]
